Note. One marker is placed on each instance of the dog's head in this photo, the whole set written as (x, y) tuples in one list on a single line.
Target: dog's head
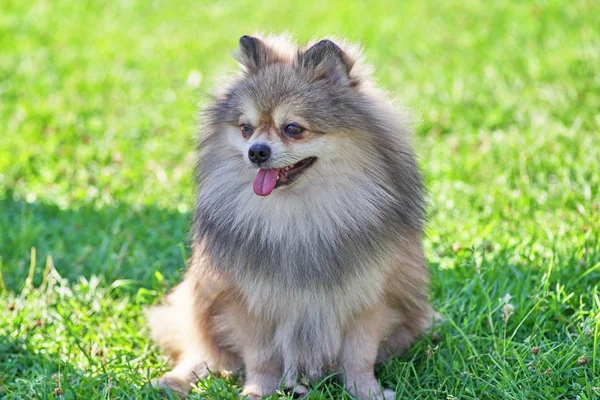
[(296, 116), (301, 152)]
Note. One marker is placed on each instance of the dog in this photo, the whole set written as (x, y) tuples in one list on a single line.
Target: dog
[(307, 229)]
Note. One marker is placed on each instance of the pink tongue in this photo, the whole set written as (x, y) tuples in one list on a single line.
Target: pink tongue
[(265, 181)]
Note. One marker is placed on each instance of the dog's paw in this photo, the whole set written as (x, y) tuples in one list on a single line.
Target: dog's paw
[(374, 394), (172, 384), (249, 396), (298, 391), (388, 394)]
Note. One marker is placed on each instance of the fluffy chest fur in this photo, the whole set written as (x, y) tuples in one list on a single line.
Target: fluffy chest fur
[(314, 241)]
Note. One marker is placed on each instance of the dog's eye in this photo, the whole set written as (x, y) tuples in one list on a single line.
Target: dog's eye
[(293, 130), (246, 129)]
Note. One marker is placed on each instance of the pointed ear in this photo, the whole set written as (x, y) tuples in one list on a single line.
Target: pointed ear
[(327, 62), (254, 54)]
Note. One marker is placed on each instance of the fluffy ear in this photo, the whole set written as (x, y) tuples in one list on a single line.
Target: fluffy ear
[(328, 62), (254, 54)]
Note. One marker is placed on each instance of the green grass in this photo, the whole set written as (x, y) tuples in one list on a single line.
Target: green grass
[(97, 123)]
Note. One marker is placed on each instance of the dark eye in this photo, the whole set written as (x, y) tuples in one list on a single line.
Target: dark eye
[(246, 129), (293, 130)]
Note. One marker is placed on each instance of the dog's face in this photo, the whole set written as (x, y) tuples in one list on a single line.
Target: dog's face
[(293, 119)]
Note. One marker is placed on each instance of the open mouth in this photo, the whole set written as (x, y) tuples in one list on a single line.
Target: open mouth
[(267, 179)]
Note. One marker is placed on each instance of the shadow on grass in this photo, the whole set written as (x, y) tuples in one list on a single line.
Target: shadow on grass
[(46, 376), (119, 242), (26, 371)]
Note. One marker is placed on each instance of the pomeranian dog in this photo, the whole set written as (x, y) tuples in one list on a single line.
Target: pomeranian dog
[(306, 237)]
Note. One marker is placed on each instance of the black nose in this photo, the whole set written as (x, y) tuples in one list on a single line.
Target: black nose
[(259, 153)]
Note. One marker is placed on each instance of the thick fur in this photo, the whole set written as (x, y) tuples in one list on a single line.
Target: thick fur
[(325, 274)]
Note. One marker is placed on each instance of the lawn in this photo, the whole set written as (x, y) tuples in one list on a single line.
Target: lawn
[(98, 111)]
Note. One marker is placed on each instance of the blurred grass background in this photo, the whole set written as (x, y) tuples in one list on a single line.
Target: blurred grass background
[(98, 106)]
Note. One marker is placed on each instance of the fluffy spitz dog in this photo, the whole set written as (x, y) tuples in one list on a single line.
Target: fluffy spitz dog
[(307, 255)]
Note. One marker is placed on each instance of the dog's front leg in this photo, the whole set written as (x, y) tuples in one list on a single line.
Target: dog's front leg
[(188, 370), (359, 352), (263, 371)]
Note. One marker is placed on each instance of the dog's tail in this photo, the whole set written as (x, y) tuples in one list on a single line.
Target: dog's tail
[(171, 323)]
